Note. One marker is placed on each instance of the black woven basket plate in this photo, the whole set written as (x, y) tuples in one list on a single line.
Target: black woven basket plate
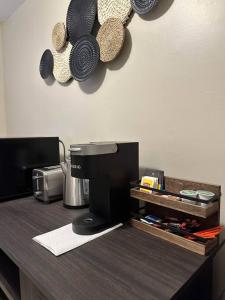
[(80, 18), (46, 64), (143, 7), (84, 57)]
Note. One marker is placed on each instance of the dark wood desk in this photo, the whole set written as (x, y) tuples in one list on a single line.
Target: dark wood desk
[(124, 264)]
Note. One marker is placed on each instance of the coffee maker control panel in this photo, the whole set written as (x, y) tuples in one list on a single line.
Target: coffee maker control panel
[(99, 148)]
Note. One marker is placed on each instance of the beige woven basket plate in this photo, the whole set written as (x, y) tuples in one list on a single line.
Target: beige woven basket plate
[(110, 39), (59, 36), (120, 9), (61, 70)]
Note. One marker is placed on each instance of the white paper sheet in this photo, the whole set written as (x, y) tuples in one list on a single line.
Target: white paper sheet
[(62, 240)]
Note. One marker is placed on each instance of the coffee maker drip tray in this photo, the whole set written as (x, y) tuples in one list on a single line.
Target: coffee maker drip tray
[(89, 224)]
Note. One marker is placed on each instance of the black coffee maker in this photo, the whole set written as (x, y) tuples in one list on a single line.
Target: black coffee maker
[(110, 167)]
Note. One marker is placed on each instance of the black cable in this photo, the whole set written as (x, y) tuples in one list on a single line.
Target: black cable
[(64, 150)]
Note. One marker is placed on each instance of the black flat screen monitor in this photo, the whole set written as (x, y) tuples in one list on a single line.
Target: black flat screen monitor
[(18, 157)]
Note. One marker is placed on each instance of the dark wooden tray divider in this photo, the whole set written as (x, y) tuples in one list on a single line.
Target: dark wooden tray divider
[(197, 247), (174, 186), (209, 214), (173, 203)]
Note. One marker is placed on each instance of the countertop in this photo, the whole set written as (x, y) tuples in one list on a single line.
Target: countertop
[(124, 264)]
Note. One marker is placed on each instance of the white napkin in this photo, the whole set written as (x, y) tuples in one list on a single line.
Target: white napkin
[(62, 240)]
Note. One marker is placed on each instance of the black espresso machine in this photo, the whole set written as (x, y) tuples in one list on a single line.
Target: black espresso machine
[(110, 167)]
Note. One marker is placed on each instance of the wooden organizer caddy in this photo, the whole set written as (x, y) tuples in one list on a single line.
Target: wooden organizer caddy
[(161, 205)]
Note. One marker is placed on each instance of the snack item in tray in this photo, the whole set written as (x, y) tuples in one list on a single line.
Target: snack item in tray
[(210, 233), (189, 193), (149, 182), (205, 195)]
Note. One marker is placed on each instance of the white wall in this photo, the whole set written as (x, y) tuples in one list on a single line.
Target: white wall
[(2, 98), (166, 91)]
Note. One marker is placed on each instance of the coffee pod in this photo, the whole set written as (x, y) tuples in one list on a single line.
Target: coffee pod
[(189, 193), (205, 195)]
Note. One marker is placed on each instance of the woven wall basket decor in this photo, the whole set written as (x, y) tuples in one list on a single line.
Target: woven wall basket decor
[(46, 64), (80, 18), (84, 57), (120, 9), (143, 7), (59, 36), (110, 38), (61, 70), (77, 51)]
